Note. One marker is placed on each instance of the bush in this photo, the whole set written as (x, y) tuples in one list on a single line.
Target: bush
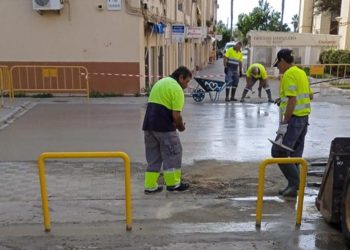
[(306, 70), (42, 95), (20, 94), (96, 94), (335, 55), (324, 56), (345, 59)]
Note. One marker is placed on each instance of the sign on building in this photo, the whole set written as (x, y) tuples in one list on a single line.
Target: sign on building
[(194, 32), (218, 37), (114, 4), (178, 33)]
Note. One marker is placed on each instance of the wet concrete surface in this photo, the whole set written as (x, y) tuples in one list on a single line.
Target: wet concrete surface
[(223, 144), (221, 131), (88, 213)]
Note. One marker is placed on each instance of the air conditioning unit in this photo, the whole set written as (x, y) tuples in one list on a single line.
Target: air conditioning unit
[(47, 4)]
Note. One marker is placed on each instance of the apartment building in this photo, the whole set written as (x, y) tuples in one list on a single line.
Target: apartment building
[(125, 44), (326, 23)]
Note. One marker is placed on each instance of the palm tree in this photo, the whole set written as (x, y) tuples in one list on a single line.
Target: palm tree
[(231, 19), (282, 12), (295, 22)]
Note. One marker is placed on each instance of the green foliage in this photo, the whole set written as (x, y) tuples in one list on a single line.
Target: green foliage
[(225, 32), (307, 70), (324, 56), (96, 94), (42, 95), (20, 94), (332, 6), (262, 17), (341, 85), (345, 57), (334, 56)]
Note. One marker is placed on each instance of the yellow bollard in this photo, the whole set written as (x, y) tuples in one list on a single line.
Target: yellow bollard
[(61, 155), (261, 182)]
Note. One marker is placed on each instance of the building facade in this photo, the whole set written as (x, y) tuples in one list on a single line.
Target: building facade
[(326, 23), (126, 45)]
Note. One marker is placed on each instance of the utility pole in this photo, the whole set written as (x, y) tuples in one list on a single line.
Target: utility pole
[(231, 20)]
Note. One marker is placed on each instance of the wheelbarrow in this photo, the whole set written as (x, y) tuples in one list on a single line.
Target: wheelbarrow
[(213, 87)]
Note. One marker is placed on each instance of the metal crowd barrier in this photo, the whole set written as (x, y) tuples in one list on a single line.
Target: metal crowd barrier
[(63, 155), (50, 79), (327, 70), (6, 86), (303, 173)]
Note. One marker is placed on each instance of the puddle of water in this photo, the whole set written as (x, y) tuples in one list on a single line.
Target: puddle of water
[(222, 227), (253, 198)]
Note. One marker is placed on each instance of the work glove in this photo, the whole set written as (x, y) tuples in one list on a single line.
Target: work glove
[(225, 70), (277, 101), (282, 129)]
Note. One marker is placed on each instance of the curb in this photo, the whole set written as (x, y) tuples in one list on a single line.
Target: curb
[(15, 113)]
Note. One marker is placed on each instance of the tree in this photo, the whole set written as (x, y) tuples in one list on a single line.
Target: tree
[(332, 6), (225, 32), (282, 12), (262, 17), (231, 17), (295, 22)]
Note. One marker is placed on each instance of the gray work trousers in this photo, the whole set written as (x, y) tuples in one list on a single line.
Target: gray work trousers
[(162, 149), (294, 138)]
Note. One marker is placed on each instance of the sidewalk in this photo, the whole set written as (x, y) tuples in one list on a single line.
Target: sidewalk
[(13, 109), (87, 212)]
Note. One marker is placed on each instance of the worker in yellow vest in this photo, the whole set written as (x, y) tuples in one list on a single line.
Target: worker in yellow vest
[(233, 70), (295, 107), (162, 120), (257, 72)]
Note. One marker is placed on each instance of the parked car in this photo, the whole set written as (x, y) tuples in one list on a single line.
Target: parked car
[(227, 46)]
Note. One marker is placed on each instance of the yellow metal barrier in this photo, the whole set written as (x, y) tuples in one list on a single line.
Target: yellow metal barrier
[(50, 79), (303, 174), (60, 155), (6, 86), (334, 70)]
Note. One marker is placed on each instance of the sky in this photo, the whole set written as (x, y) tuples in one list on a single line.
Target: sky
[(245, 6)]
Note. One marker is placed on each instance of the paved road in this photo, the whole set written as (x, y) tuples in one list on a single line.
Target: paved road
[(222, 131), (86, 198)]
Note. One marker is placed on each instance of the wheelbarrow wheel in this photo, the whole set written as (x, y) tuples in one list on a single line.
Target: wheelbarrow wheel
[(198, 95)]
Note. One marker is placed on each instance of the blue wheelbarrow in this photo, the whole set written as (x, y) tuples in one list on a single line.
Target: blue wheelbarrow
[(213, 87)]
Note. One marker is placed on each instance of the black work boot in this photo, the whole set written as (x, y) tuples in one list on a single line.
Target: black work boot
[(152, 191), (290, 192), (181, 187), (259, 92), (268, 92), (233, 92), (245, 92), (227, 99)]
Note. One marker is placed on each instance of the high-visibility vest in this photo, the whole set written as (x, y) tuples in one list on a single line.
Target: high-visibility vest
[(234, 58), (295, 83)]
